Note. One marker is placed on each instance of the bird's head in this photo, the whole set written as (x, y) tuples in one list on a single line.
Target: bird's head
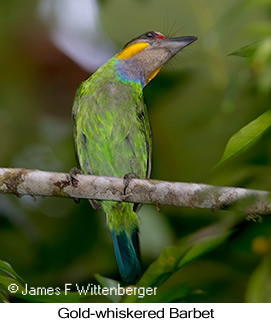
[(142, 58)]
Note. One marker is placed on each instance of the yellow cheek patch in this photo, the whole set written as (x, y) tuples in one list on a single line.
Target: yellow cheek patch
[(153, 74), (131, 50)]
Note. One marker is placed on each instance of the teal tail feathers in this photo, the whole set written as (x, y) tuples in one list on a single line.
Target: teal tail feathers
[(124, 222), (126, 248)]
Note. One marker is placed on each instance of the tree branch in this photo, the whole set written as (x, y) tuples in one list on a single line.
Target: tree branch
[(21, 181)]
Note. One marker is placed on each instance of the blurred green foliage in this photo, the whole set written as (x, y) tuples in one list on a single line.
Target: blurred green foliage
[(196, 105)]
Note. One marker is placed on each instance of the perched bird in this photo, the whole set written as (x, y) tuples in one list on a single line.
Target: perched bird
[(112, 131)]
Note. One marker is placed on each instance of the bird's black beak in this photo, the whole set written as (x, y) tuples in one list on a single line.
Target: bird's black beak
[(177, 43)]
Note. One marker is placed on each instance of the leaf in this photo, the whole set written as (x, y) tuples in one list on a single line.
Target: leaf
[(5, 268), (174, 258), (107, 282), (260, 50), (247, 136), (259, 58), (203, 246), (8, 276), (246, 51), (259, 285)]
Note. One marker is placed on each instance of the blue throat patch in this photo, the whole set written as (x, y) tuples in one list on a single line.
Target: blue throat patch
[(128, 72)]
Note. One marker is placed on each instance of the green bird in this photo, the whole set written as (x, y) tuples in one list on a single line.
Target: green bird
[(112, 132)]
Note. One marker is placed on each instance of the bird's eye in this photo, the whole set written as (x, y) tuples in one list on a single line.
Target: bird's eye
[(150, 35)]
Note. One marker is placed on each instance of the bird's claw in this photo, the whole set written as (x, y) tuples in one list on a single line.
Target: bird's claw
[(126, 181), (125, 197), (73, 172), (73, 180)]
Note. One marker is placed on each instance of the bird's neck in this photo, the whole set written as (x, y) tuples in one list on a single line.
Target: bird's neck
[(132, 71)]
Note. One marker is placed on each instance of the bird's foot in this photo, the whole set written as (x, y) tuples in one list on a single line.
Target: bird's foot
[(73, 172), (95, 204), (73, 180), (159, 207), (126, 181)]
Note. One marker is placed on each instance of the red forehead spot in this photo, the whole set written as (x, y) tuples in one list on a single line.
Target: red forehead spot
[(160, 36)]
